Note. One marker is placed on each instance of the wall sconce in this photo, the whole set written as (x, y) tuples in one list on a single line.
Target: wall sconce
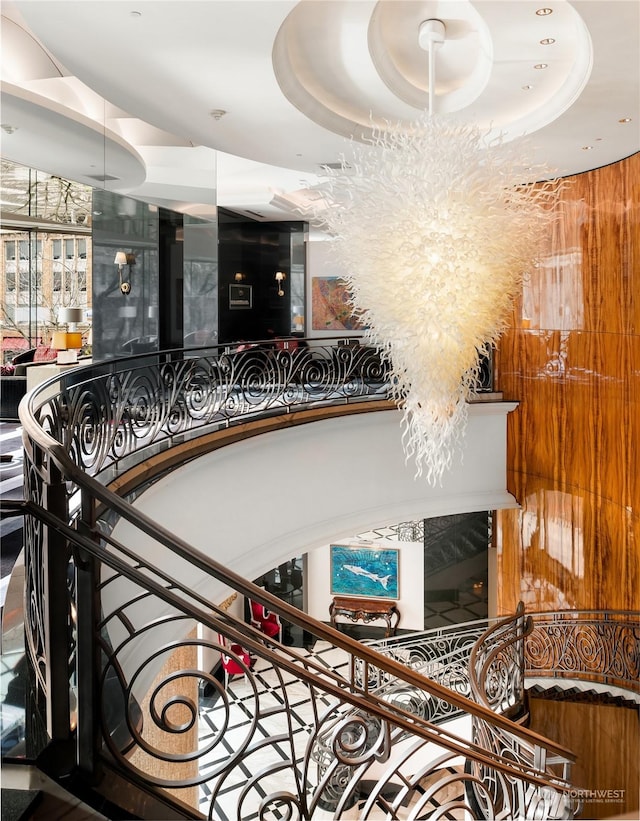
[(280, 278), (121, 260), (239, 276)]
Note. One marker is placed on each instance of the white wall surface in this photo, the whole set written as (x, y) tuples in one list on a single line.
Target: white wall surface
[(261, 501)]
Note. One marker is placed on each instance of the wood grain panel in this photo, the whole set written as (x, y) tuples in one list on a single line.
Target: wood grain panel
[(172, 685), (571, 357), (606, 740)]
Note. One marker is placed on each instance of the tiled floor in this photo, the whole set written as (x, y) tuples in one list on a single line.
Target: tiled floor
[(265, 761), (229, 726)]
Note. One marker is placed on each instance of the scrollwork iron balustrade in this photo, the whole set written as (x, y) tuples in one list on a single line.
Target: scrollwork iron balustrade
[(142, 720), (496, 671), (134, 633), (110, 412), (496, 666), (441, 654), (602, 646)]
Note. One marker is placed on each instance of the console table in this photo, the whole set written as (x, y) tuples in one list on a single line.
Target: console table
[(366, 610)]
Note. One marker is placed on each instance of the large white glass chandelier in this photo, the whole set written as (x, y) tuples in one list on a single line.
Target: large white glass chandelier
[(434, 229)]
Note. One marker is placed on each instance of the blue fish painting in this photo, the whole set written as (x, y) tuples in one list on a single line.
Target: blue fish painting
[(371, 572)]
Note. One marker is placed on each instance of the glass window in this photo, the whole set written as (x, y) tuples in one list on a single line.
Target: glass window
[(41, 271)]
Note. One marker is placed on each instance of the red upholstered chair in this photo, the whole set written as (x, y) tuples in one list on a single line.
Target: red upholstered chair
[(230, 666), (268, 623)]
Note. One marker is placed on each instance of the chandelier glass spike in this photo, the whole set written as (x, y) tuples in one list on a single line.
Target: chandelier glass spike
[(434, 229)]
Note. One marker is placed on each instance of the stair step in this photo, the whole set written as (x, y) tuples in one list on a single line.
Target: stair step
[(18, 805), (556, 693)]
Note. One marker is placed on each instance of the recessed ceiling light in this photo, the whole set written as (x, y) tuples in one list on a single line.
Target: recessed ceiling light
[(625, 120), (544, 12), (136, 14), (218, 113), (547, 41), (527, 87), (541, 65), (587, 147), (8, 129)]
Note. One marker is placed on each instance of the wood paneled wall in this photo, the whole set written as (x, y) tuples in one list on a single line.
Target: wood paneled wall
[(175, 683), (606, 739), (571, 357)]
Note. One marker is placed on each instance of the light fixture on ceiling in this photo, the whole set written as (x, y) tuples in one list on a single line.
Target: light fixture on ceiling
[(547, 41), (433, 232), (624, 120), (122, 259), (541, 65), (544, 12), (280, 277)]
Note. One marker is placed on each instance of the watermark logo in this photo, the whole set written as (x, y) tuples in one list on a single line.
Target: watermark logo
[(597, 796)]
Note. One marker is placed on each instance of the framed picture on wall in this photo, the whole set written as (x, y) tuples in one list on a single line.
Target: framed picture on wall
[(369, 572), (240, 296), (331, 308)]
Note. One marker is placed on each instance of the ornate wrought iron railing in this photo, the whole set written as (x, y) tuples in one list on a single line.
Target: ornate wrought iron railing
[(443, 655), (114, 644), (601, 646), (496, 666), (109, 416)]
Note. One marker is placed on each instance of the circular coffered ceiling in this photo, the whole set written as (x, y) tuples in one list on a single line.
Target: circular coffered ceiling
[(348, 66)]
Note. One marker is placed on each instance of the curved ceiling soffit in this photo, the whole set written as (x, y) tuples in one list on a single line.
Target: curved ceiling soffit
[(367, 68), (23, 58), (107, 158)]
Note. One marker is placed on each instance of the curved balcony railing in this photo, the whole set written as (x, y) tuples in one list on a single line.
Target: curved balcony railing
[(114, 645), (441, 654), (109, 416), (602, 646), (491, 660)]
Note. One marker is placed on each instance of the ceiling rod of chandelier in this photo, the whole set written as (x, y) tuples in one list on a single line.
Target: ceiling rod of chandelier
[(431, 35)]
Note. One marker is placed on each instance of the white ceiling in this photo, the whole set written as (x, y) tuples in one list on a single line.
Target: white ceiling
[(128, 89)]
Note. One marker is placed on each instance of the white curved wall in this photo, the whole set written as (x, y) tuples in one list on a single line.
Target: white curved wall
[(258, 502)]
